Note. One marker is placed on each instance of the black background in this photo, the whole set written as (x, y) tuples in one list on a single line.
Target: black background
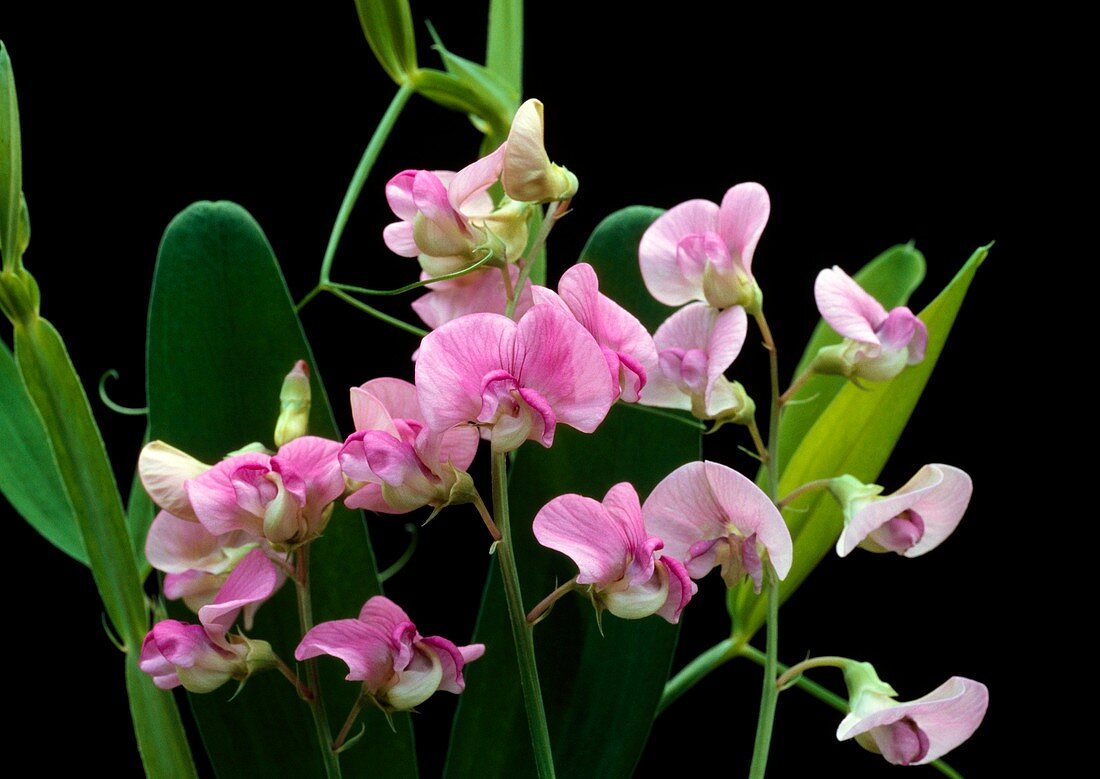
[(862, 142)]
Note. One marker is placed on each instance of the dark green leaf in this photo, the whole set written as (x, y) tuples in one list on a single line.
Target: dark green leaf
[(504, 49), (140, 512), (11, 167), (388, 27), (161, 739), (601, 692), (222, 335)]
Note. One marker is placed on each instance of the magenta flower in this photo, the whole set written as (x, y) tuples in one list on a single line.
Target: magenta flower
[(710, 515), (517, 381), (480, 292), (627, 346), (695, 346), (911, 732), (879, 344), (400, 464), (399, 668), (914, 520), (203, 657), (701, 251), (285, 498), (615, 554)]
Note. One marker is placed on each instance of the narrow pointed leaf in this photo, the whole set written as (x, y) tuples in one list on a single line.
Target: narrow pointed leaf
[(387, 24), (161, 738), (504, 48), (855, 434), (140, 512), (11, 166), (601, 692), (222, 335)]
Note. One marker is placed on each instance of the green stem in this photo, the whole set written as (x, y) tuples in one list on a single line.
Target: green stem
[(381, 133), (660, 412), (796, 385), (408, 287), (353, 715), (521, 630), (770, 693), (316, 702), (717, 655), (832, 699), (554, 211), (394, 568), (798, 492), (419, 332), (772, 462)]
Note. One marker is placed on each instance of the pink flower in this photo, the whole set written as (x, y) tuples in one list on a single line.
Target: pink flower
[(399, 668), (446, 217), (164, 470), (626, 345), (914, 520), (615, 554), (911, 732), (515, 380), (879, 344), (700, 251), (400, 463), (480, 292), (528, 173), (695, 346), (202, 657), (285, 498), (710, 515)]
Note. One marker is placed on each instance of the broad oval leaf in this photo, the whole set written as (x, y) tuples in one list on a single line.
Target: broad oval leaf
[(601, 692), (222, 335)]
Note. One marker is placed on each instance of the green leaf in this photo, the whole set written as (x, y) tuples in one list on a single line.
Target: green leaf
[(140, 513), (161, 738), (11, 167), (504, 48), (890, 278), (29, 477), (855, 435), (388, 27), (222, 335), (601, 692)]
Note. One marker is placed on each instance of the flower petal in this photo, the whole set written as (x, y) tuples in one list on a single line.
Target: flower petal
[(399, 194), (453, 659), (473, 180), (680, 589), (253, 580), (847, 307), (163, 470), (398, 237), (741, 219), (176, 545), (583, 530), (941, 508), (214, 497), (317, 461), (366, 648), (657, 251), (480, 292)]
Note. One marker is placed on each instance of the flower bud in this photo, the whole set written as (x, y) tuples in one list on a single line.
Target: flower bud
[(294, 402), (528, 173)]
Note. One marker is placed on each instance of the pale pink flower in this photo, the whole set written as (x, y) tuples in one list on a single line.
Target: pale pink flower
[(626, 344), (399, 462), (163, 470), (528, 173), (710, 515), (285, 498), (701, 251), (695, 346), (615, 554), (879, 344), (517, 381), (480, 292), (398, 667), (914, 520)]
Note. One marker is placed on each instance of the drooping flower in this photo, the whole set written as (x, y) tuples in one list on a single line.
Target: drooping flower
[(695, 346), (615, 554), (399, 668), (626, 344), (701, 251), (517, 381), (914, 520), (710, 515), (878, 344), (480, 292), (401, 464), (910, 732), (203, 657), (285, 498), (448, 218), (528, 174)]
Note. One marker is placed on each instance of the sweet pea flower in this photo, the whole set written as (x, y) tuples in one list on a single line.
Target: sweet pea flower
[(399, 668), (701, 251), (878, 344), (914, 520), (447, 218), (615, 554), (203, 657), (710, 515), (480, 292), (528, 173), (399, 462), (910, 732), (284, 498), (627, 346), (517, 381), (163, 471), (695, 346)]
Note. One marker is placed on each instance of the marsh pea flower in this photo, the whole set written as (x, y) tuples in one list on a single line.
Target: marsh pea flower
[(627, 346), (914, 520), (615, 554), (699, 250), (398, 462), (878, 343), (710, 515), (398, 667), (910, 732), (528, 173), (516, 380)]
